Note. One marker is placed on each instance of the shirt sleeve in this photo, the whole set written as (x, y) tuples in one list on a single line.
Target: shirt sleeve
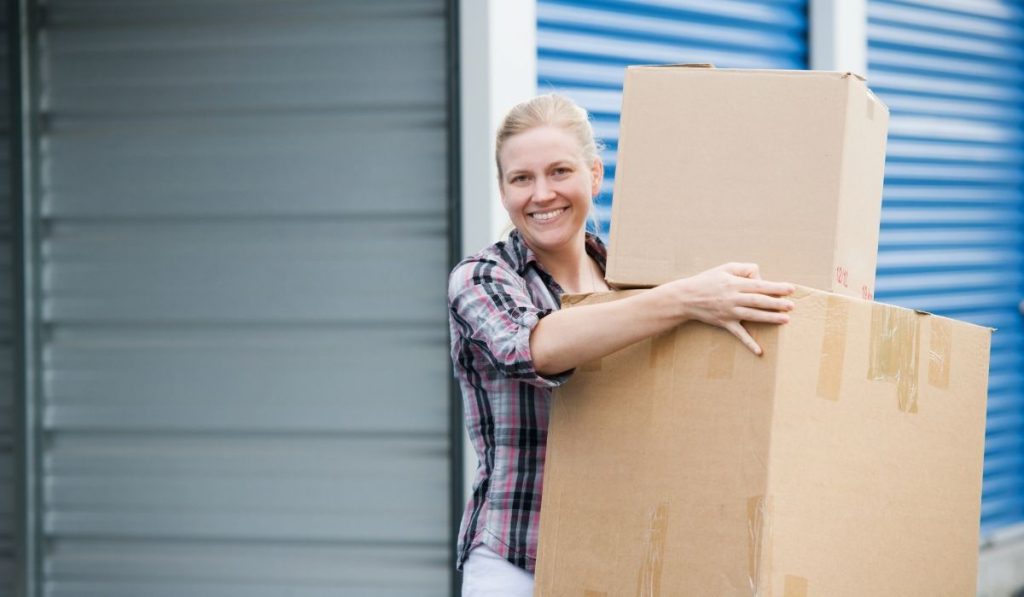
[(491, 308)]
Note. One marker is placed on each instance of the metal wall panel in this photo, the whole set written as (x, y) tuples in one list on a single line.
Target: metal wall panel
[(584, 47), (245, 236), (7, 318), (952, 240)]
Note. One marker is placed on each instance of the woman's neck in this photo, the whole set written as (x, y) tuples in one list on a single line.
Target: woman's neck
[(573, 268)]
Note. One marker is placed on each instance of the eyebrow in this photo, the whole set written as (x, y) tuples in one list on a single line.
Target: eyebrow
[(551, 165)]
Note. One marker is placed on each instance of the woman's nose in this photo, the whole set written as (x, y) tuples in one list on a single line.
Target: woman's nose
[(543, 190)]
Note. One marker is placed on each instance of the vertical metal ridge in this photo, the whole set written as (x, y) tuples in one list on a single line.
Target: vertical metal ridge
[(24, 178), (24, 536), (457, 461)]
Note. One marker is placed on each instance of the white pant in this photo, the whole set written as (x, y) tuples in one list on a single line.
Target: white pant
[(486, 574)]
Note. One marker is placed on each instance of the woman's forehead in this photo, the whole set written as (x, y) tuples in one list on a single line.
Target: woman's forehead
[(540, 146)]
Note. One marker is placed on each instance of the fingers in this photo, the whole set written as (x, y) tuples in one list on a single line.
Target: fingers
[(744, 336), (761, 301), (754, 283), (771, 288), (759, 316)]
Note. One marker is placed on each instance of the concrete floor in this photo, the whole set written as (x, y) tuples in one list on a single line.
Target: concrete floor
[(1001, 565)]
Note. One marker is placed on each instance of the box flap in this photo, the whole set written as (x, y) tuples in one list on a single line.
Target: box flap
[(764, 71), (690, 65)]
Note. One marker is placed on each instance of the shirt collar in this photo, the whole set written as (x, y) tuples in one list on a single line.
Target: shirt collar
[(522, 256)]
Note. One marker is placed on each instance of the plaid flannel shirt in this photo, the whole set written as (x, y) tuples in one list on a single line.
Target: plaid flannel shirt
[(495, 299)]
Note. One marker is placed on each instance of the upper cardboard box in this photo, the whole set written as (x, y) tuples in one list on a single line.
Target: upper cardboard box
[(779, 168)]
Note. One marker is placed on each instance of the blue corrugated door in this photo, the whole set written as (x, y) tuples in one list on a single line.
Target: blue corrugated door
[(951, 239), (584, 46)]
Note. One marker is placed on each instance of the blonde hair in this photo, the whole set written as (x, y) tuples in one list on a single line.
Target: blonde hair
[(550, 110)]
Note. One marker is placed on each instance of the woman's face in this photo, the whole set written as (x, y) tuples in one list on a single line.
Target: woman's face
[(547, 188)]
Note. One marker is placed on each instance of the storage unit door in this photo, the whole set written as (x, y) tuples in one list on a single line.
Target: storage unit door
[(244, 241), (584, 46), (951, 239)]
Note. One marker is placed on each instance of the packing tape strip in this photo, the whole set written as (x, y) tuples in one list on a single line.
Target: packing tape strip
[(758, 536), (833, 348), (589, 593), (794, 586), (649, 579), (894, 352), (721, 354), (940, 344)]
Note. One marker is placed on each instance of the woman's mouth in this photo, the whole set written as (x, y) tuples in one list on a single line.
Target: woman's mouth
[(547, 215)]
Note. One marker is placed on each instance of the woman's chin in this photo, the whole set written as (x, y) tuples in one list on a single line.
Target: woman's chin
[(553, 239)]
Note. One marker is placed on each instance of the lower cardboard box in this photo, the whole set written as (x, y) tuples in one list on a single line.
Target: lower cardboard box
[(845, 461)]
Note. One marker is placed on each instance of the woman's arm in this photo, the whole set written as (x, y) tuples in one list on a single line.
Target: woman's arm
[(724, 296)]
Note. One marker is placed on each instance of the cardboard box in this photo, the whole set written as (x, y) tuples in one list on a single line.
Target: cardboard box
[(846, 461), (779, 168)]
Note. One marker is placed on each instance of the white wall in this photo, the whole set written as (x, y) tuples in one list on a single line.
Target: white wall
[(498, 52), (838, 35)]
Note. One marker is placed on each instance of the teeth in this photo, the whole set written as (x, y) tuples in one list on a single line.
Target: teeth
[(547, 215)]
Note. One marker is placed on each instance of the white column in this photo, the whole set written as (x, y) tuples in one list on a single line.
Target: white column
[(498, 54), (838, 35), (498, 69)]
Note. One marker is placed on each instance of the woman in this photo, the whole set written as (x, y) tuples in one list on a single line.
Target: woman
[(511, 344)]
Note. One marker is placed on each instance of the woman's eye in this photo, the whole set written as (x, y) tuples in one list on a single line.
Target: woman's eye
[(519, 178), (561, 171)]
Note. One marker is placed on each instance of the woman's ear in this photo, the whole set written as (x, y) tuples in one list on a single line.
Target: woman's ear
[(501, 193), (596, 177)]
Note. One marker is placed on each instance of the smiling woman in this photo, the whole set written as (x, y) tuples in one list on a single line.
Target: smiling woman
[(511, 345), (547, 187)]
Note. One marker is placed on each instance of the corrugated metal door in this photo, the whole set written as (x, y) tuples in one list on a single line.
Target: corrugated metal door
[(951, 239), (584, 46), (244, 240)]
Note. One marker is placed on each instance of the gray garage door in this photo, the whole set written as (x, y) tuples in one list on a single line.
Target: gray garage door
[(244, 234)]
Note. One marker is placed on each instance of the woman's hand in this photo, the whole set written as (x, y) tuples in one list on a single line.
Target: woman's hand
[(730, 294)]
